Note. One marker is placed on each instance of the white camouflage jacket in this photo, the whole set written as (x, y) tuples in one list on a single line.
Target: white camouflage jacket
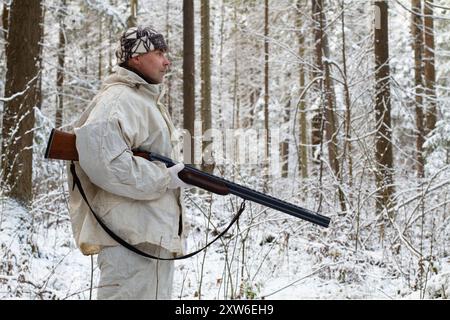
[(129, 193)]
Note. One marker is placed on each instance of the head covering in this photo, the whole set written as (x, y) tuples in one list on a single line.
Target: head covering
[(139, 40)]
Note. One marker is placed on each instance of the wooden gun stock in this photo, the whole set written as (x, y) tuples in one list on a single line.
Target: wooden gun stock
[(61, 146)]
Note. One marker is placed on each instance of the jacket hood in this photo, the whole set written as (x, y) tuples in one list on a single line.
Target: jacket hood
[(129, 78)]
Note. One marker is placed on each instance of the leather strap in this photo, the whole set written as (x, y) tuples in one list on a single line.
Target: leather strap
[(77, 182)]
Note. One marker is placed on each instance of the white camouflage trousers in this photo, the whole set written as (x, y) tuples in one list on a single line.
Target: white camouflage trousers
[(125, 275)]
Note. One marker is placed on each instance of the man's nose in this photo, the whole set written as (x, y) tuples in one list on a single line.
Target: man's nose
[(166, 62)]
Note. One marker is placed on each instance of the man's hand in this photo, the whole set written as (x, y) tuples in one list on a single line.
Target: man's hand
[(176, 182)]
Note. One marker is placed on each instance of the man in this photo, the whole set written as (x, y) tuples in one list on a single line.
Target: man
[(139, 200)]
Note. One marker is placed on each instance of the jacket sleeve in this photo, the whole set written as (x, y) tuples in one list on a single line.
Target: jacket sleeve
[(104, 149)]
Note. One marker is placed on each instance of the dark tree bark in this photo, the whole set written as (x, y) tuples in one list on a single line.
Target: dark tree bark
[(205, 76), (383, 154), (168, 96), (266, 92), (326, 88), (22, 86), (430, 70), (303, 149), (417, 32), (188, 79), (285, 144)]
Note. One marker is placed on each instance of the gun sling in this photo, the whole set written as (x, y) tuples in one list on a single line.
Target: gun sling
[(77, 182)]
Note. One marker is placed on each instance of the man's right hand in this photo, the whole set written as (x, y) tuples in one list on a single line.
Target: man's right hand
[(175, 181)]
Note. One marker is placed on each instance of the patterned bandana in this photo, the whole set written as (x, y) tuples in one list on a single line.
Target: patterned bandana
[(138, 40)]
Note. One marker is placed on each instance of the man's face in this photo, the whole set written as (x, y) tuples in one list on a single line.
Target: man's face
[(152, 65)]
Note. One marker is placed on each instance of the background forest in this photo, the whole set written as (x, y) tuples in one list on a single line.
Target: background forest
[(345, 104)]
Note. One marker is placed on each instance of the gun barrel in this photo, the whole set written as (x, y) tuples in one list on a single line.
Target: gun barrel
[(252, 195), (278, 204)]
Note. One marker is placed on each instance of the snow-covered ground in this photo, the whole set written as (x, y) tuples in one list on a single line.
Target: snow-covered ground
[(45, 264)]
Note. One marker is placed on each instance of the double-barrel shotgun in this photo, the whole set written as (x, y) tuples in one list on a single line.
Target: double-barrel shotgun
[(62, 146)]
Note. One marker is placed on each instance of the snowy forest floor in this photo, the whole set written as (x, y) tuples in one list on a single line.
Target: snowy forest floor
[(40, 262)]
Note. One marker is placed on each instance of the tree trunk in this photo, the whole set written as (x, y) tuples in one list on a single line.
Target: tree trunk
[(132, 19), (235, 117), (317, 120), (111, 40), (22, 79), (348, 118), (222, 38), (40, 55), (266, 92), (100, 56), (383, 155), (430, 71), (188, 80), (169, 76), (416, 30), (60, 69), (303, 149), (284, 143), (205, 77), (330, 119), (236, 101), (327, 87)]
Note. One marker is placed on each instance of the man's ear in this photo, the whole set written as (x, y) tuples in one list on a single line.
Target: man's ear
[(134, 61)]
